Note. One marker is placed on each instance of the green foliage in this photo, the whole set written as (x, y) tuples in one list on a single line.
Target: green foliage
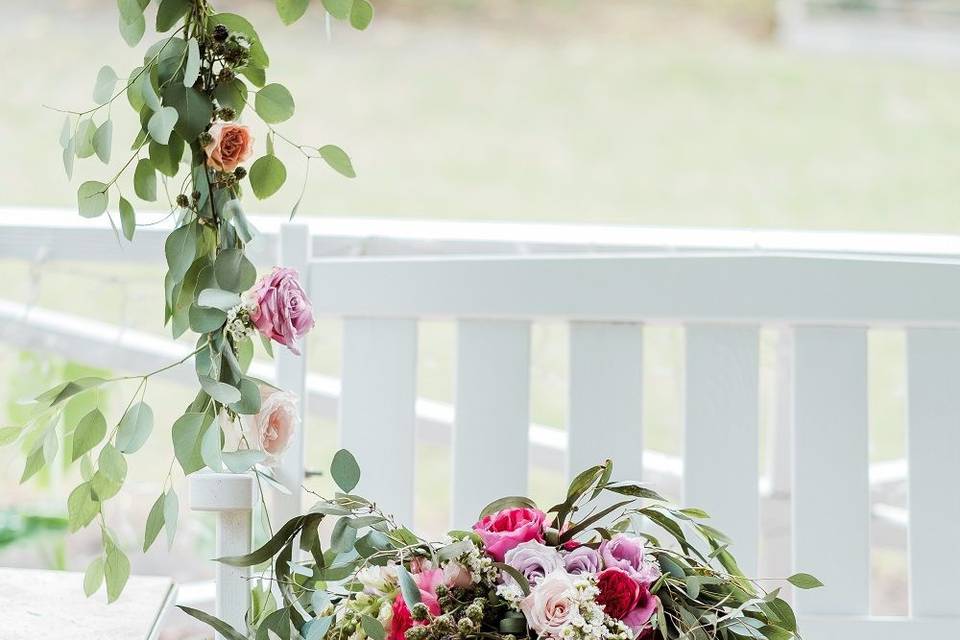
[(92, 199), (292, 10), (267, 175), (274, 103), (345, 471), (338, 159), (105, 85), (145, 180), (128, 218), (135, 427)]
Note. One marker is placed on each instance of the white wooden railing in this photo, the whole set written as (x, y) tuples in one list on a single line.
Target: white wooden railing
[(822, 291)]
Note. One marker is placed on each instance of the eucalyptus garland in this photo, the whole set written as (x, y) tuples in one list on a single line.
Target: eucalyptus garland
[(193, 92)]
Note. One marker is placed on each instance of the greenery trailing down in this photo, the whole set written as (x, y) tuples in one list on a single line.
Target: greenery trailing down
[(190, 91), (374, 570)]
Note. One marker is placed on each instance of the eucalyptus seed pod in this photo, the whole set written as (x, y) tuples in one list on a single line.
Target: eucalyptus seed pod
[(183, 201), (220, 33)]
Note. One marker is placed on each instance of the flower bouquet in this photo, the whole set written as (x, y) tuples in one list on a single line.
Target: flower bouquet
[(583, 569)]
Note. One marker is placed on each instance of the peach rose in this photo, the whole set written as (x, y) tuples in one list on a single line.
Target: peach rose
[(277, 421), (231, 144)]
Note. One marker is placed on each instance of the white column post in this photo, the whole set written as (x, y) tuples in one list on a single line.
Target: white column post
[(231, 496), (291, 372)]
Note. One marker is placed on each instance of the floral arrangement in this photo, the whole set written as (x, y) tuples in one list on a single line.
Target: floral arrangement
[(195, 92), (582, 570)]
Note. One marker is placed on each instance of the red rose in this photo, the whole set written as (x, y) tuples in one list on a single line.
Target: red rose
[(402, 620), (619, 592), (506, 529)]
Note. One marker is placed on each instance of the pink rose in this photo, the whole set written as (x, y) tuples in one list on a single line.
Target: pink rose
[(629, 553), (428, 579), (282, 311), (506, 529), (230, 145), (401, 620), (456, 575), (639, 618), (276, 422), (551, 606)]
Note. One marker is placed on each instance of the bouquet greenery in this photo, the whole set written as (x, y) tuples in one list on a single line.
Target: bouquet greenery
[(193, 92), (583, 570)]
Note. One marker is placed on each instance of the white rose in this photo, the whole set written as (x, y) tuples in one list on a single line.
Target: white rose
[(551, 605)]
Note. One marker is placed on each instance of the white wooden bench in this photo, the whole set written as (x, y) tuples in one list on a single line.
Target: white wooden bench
[(826, 302)]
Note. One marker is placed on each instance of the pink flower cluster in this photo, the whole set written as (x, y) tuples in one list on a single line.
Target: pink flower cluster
[(621, 568)]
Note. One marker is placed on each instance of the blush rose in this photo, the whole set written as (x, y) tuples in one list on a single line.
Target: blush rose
[(230, 144), (276, 422), (551, 606)]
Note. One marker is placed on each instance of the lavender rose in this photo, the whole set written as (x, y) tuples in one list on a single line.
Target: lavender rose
[(282, 311), (534, 560), (629, 553), (582, 560)]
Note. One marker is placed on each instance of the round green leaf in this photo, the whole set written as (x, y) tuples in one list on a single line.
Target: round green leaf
[(291, 10), (116, 571), (105, 84), (83, 141), (166, 157), (218, 299), (234, 272), (180, 250), (92, 199), (274, 103), (345, 471), (267, 175), (170, 12), (232, 94), (205, 319), (219, 391), (145, 181), (161, 124), (186, 433), (338, 160), (339, 9), (361, 14), (194, 109), (132, 30)]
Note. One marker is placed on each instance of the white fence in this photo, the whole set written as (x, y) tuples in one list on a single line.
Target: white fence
[(722, 295)]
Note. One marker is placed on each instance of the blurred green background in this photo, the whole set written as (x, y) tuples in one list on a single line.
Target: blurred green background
[(640, 112)]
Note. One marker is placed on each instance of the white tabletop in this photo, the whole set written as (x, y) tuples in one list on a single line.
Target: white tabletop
[(48, 605)]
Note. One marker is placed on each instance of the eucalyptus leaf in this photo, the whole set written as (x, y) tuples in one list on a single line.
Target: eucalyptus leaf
[(195, 110), (274, 103), (105, 85), (103, 141), (361, 14), (192, 69), (210, 444), (239, 24), (242, 460), (338, 159), (267, 175), (234, 272), (219, 391), (154, 523), (206, 319), (408, 588), (804, 581), (372, 627), (88, 434), (170, 12), (339, 9), (135, 427), (9, 434), (83, 140), (218, 299), (171, 515), (128, 218), (145, 180), (221, 627), (161, 124), (92, 199), (180, 249), (291, 10), (232, 94), (166, 158), (186, 433), (116, 571), (345, 471), (82, 507), (132, 30), (93, 576)]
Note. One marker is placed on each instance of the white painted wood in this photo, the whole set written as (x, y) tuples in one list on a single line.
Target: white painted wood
[(231, 496), (50, 605), (722, 440), (492, 415), (779, 459), (377, 408), (755, 289), (605, 418), (291, 373), (831, 491), (60, 234), (933, 361), (876, 628)]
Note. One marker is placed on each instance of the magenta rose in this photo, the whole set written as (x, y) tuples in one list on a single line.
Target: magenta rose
[(629, 553), (282, 311), (638, 620), (619, 592), (506, 529)]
